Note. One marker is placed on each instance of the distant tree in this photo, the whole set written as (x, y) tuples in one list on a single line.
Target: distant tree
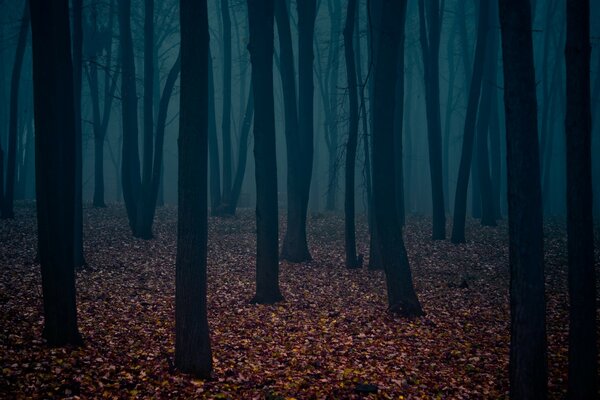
[(401, 295), (352, 260), (140, 192), (462, 184), (583, 351), (213, 143), (260, 17), (430, 26), (9, 193), (295, 247), (98, 46), (192, 342), (528, 368), (226, 109), (55, 166)]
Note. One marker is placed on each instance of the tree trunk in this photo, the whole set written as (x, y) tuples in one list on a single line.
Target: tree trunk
[(430, 17), (349, 209), (213, 144), (55, 167), (78, 258), (226, 116), (130, 163), (236, 189), (488, 217), (462, 184), (583, 362), (7, 205), (401, 295), (295, 247), (192, 342), (528, 367), (260, 17), (398, 124)]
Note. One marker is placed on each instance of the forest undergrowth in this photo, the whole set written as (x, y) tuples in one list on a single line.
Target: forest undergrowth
[(330, 339)]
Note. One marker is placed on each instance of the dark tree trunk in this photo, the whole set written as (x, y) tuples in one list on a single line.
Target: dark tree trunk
[(349, 210), (401, 295), (213, 144), (130, 163), (100, 120), (430, 17), (295, 247), (145, 208), (583, 361), (495, 147), (78, 258), (226, 117), (528, 367), (290, 104), (236, 189), (11, 164), (192, 341), (55, 167), (398, 123), (260, 17), (462, 184), (488, 217)]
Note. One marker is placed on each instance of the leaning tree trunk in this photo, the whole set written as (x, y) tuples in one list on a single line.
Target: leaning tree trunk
[(192, 342), (401, 295), (9, 194), (55, 167), (583, 362), (295, 247), (462, 184), (349, 209), (260, 16), (527, 367)]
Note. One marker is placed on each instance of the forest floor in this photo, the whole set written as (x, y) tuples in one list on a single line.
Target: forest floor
[(330, 338)]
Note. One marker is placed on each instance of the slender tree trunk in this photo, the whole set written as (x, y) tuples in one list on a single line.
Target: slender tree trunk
[(192, 341), (430, 17), (495, 147), (462, 184), (295, 247), (583, 351), (260, 16), (78, 257), (488, 217), (528, 367), (130, 163), (213, 144), (401, 295), (398, 124), (236, 189), (448, 116), (145, 208), (55, 167), (7, 205), (349, 210), (226, 117)]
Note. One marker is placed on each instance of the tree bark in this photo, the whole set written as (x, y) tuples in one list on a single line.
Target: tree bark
[(260, 17), (401, 295), (349, 210), (295, 247), (430, 31), (528, 366), (213, 144), (226, 116), (583, 362), (462, 184), (192, 342), (55, 167)]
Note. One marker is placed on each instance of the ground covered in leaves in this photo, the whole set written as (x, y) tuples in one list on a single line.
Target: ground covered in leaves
[(331, 337)]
